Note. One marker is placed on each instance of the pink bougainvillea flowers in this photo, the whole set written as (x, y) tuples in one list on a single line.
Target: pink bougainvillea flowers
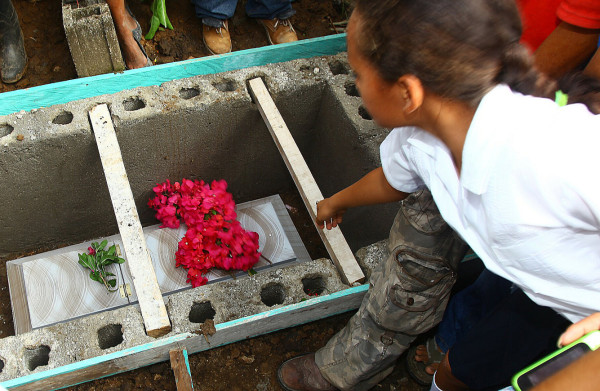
[(214, 237)]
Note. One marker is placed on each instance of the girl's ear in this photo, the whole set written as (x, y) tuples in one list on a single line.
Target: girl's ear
[(411, 91)]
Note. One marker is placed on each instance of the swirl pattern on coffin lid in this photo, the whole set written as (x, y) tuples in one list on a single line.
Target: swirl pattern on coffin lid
[(58, 289)]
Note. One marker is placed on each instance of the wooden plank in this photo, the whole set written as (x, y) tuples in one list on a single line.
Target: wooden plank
[(181, 369), (87, 87), (18, 298), (158, 351), (139, 262), (334, 240)]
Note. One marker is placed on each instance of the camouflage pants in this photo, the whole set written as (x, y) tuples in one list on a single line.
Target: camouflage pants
[(407, 296)]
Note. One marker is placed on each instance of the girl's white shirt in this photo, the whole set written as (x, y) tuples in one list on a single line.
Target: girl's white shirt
[(528, 197)]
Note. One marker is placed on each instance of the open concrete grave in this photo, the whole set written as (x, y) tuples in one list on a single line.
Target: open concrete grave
[(205, 127)]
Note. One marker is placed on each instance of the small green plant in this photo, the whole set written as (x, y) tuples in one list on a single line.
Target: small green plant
[(159, 17), (97, 259)]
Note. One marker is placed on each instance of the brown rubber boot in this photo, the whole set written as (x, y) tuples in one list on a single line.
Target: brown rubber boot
[(302, 374), (217, 39), (14, 59), (279, 31)]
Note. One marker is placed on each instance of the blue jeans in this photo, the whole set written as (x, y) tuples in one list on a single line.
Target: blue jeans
[(470, 305), (214, 12)]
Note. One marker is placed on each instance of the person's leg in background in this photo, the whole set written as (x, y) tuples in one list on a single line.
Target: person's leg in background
[(215, 15), (14, 59), (129, 35), (465, 309), (274, 15), (407, 296), (513, 335)]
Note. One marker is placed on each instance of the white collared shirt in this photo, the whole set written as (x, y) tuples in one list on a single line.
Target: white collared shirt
[(528, 197)]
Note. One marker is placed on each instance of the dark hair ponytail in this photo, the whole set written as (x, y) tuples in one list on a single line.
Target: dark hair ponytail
[(519, 73)]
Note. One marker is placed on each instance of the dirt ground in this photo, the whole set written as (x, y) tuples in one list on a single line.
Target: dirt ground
[(50, 60), (246, 365)]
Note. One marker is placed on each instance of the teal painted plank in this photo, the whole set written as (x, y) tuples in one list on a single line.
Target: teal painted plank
[(187, 365), (70, 90), (82, 365)]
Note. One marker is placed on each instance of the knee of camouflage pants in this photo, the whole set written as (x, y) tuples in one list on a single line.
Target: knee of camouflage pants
[(407, 296)]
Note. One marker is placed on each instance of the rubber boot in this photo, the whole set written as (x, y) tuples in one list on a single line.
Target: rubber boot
[(14, 59)]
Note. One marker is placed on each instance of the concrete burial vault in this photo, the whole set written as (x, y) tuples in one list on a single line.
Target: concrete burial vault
[(202, 119)]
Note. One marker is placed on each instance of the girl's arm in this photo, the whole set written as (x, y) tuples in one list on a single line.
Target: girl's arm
[(373, 188)]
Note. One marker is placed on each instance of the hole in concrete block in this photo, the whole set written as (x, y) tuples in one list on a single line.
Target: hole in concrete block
[(1, 365), (226, 85), (305, 68), (5, 130), (351, 89), (201, 312), (189, 93), (272, 294), (63, 118), (362, 111), (133, 104), (339, 68), (110, 336), (313, 286), (37, 357)]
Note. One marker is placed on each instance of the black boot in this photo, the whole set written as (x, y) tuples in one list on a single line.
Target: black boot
[(14, 59)]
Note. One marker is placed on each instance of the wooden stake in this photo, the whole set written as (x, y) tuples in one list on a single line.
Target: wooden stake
[(334, 240), (181, 369), (139, 262)]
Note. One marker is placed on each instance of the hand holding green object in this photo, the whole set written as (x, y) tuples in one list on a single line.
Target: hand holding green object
[(159, 17), (96, 259)]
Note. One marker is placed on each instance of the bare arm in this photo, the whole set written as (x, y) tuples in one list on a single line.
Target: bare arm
[(371, 189), (566, 48), (582, 375), (593, 66)]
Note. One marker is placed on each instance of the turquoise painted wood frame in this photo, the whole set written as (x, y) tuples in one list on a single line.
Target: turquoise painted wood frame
[(86, 87), (67, 91)]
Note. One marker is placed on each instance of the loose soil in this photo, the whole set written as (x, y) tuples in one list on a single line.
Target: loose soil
[(247, 365)]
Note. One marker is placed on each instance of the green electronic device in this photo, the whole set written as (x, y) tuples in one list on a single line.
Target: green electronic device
[(547, 366)]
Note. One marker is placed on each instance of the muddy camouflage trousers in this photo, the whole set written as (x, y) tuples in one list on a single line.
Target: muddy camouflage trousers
[(407, 296)]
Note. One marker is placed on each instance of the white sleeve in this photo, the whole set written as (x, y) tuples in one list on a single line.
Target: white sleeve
[(396, 163)]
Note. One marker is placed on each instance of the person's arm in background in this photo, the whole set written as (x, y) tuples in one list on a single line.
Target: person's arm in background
[(583, 374), (567, 47)]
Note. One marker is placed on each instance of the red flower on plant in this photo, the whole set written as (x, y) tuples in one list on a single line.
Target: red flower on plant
[(91, 251), (214, 237)]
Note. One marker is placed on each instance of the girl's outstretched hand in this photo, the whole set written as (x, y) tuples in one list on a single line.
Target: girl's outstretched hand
[(328, 215)]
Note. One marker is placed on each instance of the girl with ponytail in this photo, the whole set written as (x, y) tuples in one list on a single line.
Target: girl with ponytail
[(512, 172)]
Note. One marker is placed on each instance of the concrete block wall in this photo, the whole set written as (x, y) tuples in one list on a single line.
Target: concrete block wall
[(204, 127), (92, 38), (121, 329)]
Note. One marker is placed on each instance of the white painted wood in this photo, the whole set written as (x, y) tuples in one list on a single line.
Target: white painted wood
[(18, 298), (334, 240), (139, 262)]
